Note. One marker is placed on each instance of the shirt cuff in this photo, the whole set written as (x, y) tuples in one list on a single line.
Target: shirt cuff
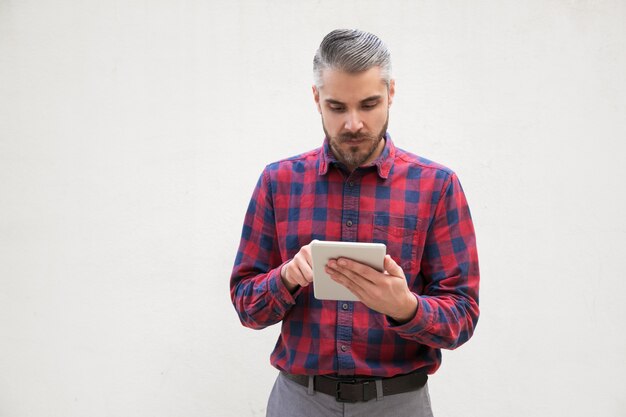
[(279, 289), (421, 322)]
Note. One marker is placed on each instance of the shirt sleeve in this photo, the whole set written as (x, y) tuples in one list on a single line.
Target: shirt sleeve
[(257, 291), (447, 310)]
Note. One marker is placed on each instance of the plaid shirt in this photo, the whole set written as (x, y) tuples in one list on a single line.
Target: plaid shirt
[(414, 206)]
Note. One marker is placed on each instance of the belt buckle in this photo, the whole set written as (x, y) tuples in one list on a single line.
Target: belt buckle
[(338, 397)]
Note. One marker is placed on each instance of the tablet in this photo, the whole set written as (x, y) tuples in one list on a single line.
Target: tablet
[(324, 288)]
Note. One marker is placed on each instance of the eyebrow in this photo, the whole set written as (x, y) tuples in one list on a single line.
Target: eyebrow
[(370, 98)]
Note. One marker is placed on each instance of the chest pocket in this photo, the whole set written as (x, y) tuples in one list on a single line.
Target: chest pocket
[(404, 237)]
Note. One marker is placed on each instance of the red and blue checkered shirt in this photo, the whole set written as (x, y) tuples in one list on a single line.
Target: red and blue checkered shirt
[(414, 206)]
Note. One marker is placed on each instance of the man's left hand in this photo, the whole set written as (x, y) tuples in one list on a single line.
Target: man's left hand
[(386, 292)]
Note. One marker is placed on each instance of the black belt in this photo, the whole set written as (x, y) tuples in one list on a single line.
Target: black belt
[(346, 389)]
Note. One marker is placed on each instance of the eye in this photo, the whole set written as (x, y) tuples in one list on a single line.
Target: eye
[(369, 105), (336, 108)]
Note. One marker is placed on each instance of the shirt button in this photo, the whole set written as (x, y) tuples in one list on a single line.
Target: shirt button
[(349, 223), (351, 183), (344, 306), (344, 348)]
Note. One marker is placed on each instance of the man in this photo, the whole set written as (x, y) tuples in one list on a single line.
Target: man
[(369, 357)]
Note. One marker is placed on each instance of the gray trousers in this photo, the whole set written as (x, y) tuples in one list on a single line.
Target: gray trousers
[(289, 399)]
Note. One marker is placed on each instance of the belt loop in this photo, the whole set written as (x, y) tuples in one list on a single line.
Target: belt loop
[(379, 389), (311, 388)]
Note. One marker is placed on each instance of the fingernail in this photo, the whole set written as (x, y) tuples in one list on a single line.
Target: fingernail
[(342, 262)]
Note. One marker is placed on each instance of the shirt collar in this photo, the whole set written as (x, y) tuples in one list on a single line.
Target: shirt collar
[(383, 163)]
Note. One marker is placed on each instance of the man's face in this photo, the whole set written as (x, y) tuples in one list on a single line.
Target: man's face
[(355, 113)]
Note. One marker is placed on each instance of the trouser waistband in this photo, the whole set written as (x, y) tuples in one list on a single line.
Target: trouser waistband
[(346, 389)]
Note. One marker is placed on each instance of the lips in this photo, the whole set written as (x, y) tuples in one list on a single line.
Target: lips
[(354, 140)]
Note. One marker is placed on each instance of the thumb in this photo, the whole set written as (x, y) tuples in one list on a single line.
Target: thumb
[(392, 267)]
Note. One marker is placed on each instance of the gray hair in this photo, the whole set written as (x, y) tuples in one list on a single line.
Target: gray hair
[(352, 51)]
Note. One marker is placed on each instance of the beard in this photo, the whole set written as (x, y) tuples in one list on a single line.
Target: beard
[(354, 156)]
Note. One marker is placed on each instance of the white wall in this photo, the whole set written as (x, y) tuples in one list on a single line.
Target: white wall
[(131, 136)]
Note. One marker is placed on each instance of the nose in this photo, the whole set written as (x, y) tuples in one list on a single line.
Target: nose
[(353, 122)]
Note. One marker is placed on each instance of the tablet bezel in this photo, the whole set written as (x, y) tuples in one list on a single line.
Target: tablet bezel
[(324, 288)]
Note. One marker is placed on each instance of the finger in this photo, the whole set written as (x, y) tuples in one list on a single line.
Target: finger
[(352, 279), (392, 267), (295, 275), (334, 269), (348, 281), (306, 252), (305, 270), (350, 267)]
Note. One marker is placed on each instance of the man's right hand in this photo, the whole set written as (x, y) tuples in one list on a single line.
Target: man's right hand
[(298, 271)]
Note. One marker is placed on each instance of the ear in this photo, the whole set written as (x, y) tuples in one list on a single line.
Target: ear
[(392, 91), (316, 97)]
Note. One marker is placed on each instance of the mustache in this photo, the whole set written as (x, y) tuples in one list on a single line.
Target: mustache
[(357, 135)]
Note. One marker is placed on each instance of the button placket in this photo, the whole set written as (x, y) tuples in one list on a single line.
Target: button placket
[(349, 229)]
